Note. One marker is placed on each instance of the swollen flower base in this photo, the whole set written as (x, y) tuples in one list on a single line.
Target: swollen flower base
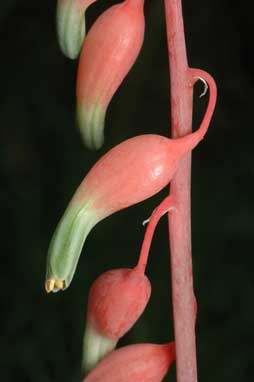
[(117, 299), (141, 362), (71, 27), (109, 51)]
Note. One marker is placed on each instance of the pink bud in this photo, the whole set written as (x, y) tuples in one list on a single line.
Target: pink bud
[(129, 173), (109, 51), (117, 299), (134, 363)]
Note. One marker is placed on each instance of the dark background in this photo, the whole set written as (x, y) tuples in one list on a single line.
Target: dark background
[(42, 161)]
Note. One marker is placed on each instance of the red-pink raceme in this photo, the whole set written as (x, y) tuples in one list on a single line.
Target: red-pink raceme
[(108, 53), (131, 172), (71, 27), (139, 362), (117, 299)]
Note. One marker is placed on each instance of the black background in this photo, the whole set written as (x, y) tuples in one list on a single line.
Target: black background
[(42, 161)]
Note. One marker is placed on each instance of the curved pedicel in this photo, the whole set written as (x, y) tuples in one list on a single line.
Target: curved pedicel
[(109, 51), (71, 27)]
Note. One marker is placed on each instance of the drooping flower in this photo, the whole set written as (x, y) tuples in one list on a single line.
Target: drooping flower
[(131, 172), (117, 299), (134, 363), (109, 51), (71, 27)]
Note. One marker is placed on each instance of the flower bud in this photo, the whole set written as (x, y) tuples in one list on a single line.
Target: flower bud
[(117, 299), (131, 172), (140, 362), (109, 51), (71, 27)]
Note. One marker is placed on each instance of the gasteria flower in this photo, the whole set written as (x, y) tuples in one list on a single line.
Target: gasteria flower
[(71, 27), (117, 299), (131, 172), (109, 51), (140, 362)]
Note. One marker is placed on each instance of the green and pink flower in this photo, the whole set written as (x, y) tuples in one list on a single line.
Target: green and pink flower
[(131, 172), (109, 51), (71, 27)]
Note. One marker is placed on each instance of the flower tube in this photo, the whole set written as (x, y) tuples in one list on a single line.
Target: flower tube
[(71, 27), (109, 51), (117, 299), (131, 172), (139, 362)]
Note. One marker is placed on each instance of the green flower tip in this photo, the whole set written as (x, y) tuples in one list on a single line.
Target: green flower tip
[(71, 27), (66, 245), (95, 347), (90, 122)]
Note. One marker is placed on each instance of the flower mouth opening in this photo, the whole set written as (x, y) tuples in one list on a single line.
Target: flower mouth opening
[(52, 285)]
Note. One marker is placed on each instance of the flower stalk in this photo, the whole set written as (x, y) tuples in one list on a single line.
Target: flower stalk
[(182, 80)]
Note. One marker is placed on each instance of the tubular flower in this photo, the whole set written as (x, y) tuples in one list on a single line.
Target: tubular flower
[(117, 299), (109, 51), (140, 362), (71, 27), (131, 172)]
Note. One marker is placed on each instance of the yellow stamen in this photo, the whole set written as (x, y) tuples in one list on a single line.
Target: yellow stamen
[(49, 285), (59, 284)]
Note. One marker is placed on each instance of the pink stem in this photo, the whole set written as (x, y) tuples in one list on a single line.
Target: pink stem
[(166, 205), (180, 224)]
